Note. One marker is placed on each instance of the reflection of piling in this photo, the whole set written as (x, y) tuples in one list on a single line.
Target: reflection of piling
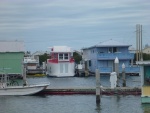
[(117, 69), (86, 69), (98, 87), (123, 76)]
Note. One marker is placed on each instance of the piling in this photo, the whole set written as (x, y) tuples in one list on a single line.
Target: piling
[(98, 87), (123, 75), (86, 69), (117, 69), (24, 77), (44, 67)]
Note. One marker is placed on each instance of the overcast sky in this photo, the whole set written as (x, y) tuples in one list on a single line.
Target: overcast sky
[(75, 23)]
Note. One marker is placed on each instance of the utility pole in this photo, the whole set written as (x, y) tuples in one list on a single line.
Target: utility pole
[(141, 45), (139, 52)]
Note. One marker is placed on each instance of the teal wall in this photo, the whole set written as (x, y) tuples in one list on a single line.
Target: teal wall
[(12, 61)]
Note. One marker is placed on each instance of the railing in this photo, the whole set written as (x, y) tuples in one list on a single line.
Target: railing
[(111, 56), (127, 69)]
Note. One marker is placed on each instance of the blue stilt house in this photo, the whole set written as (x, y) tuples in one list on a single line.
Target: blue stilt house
[(102, 55)]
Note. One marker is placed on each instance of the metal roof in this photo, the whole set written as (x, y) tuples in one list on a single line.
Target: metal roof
[(12, 46), (61, 49), (110, 43)]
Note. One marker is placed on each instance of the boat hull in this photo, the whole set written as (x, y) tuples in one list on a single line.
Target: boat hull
[(23, 90), (63, 69)]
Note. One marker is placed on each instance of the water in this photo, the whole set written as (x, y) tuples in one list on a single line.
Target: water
[(75, 103), (132, 81), (72, 104)]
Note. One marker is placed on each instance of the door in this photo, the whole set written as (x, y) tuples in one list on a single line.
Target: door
[(63, 68)]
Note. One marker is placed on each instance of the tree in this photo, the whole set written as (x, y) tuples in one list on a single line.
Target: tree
[(43, 58), (77, 57), (145, 57)]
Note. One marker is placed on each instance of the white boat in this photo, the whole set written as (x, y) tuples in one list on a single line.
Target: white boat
[(22, 90), (61, 63), (31, 63), (14, 89)]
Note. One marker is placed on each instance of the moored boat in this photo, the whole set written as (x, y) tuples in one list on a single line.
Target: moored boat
[(22, 90), (8, 87)]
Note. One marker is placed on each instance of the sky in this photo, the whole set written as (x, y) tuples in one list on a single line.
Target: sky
[(74, 23)]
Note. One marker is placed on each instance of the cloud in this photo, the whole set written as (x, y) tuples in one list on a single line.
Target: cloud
[(34, 15), (72, 20)]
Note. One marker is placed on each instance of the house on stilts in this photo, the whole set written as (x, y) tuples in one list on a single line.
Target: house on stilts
[(102, 55)]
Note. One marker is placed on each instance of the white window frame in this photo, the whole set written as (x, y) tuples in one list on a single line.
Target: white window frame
[(63, 57)]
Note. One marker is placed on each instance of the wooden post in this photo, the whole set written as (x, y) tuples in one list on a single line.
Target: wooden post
[(24, 77), (117, 69), (98, 86), (5, 80), (123, 75), (86, 68)]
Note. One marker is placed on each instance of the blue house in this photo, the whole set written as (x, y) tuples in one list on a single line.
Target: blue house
[(102, 56)]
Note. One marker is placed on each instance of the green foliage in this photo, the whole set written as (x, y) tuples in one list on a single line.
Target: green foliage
[(77, 57), (43, 58), (146, 56)]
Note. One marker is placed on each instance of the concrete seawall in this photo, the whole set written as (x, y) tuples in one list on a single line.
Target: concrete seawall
[(92, 90)]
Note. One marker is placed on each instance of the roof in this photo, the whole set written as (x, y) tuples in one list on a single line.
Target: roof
[(110, 43), (61, 49), (131, 48), (146, 48), (38, 53), (12, 46)]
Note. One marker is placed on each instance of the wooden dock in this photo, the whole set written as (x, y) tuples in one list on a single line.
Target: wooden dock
[(92, 90)]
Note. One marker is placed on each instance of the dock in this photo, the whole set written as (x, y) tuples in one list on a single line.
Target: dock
[(92, 91)]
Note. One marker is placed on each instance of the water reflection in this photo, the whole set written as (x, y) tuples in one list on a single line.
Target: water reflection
[(98, 108), (146, 108), (114, 103)]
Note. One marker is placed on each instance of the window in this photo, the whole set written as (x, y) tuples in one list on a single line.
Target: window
[(66, 56), (110, 50), (114, 49), (60, 56)]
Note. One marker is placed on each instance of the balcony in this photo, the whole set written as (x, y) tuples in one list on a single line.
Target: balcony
[(112, 56), (131, 69)]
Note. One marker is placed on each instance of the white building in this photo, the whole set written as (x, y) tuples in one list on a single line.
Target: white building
[(146, 50)]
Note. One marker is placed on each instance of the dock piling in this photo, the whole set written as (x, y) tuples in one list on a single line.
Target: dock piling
[(117, 69), (86, 69), (123, 75), (98, 93)]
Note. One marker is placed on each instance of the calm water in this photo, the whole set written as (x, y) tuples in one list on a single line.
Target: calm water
[(74, 103), (131, 81)]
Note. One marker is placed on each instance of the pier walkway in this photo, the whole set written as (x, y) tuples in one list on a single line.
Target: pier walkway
[(92, 90)]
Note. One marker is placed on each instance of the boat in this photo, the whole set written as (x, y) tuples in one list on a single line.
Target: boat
[(22, 90), (8, 87), (61, 62), (32, 65)]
